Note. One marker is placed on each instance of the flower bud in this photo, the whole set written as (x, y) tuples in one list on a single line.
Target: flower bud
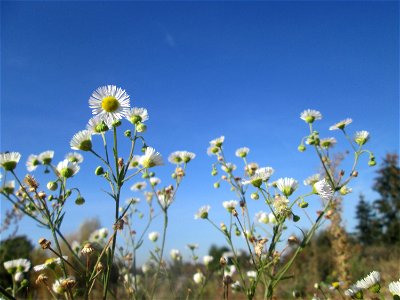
[(303, 204), (80, 200), (99, 171), (127, 133), (223, 227), (295, 218), (116, 123), (216, 185), (67, 193), (254, 196), (372, 163), (301, 148), (141, 127), (214, 172), (52, 185), (145, 176)]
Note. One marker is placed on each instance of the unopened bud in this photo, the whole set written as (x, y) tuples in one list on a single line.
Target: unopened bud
[(52, 185), (99, 171), (255, 196), (354, 174), (216, 185), (141, 127), (116, 123), (301, 148), (127, 133), (80, 200)]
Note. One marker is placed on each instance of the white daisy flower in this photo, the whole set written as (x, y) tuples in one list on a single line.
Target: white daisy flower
[(153, 236), (212, 150), (310, 115), (187, 156), (134, 163), (344, 190), (57, 286), (74, 157), (207, 259), (17, 265), (67, 169), (371, 282), (137, 115), (138, 186), (32, 163), (262, 217), (354, 292), (50, 263), (199, 278), (217, 142), (242, 152), (281, 206), (147, 267), (286, 185), (8, 187), (229, 167), (175, 157), (98, 124), (193, 246), (311, 180), (230, 270), (76, 246), (9, 160), (176, 255), (341, 125), (394, 288), (151, 158), (324, 189), (46, 157), (229, 205), (327, 142), (203, 212), (110, 101), (251, 274), (361, 137), (82, 141), (132, 201), (272, 218), (155, 181), (98, 235)]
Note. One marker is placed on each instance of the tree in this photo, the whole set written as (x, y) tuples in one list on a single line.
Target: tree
[(387, 184), (369, 228)]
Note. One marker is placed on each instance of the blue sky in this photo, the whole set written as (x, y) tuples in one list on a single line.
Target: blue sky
[(202, 69)]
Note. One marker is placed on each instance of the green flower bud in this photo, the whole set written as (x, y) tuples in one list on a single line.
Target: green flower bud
[(141, 127), (67, 193), (223, 227), (295, 218), (372, 163), (254, 196), (216, 185), (145, 175), (116, 123), (173, 175), (237, 231), (135, 119), (50, 197), (152, 174), (80, 200), (144, 148), (303, 204), (127, 133), (375, 288), (214, 172), (24, 283), (52, 185), (140, 215), (301, 148), (99, 171)]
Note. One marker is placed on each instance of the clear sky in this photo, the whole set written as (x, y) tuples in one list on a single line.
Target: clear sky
[(202, 69)]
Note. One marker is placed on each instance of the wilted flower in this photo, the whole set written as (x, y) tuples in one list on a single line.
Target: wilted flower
[(32, 163), (203, 212), (370, 282), (199, 278), (286, 185), (242, 152), (310, 115), (229, 205), (151, 158), (361, 137), (8, 161), (67, 169), (153, 236), (82, 141), (341, 125), (110, 101)]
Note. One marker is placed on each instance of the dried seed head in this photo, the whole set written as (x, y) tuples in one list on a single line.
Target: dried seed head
[(42, 195), (234, 212), (31, 182), (45, 244), (179, 172), (293, 240), (119, 225), (222, 261), (227, 280), (120, 162), (42, 279), (99, 267), (87, 249), (68, 283)]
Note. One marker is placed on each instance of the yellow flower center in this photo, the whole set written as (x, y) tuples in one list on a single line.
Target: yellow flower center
[(110, 104)]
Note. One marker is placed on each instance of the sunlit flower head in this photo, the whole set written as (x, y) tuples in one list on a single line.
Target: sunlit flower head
[(207, 259), (98, 124), (139, 186), (20, 265), (151, 158), (50, 263), (199, 278), (217, 142), (176, 255), (46, 157), (98, 235), (229, 205), (286, 185), (82, 141), (9, 160), (251, 168), (228, 167), (155, 181), (134, 163), (281, 205), (212, 150), (260, 175), (8, 187), (262, 217), (324, 189), (327, 143), (272, 218), (32, 163), (311, 180), (74, 157), (341, 125), (203, 212), (310, 115), (354, 292), (110, 101), (394, 288), (361, 137), (153, 236), (137, 114), (175, 157), (251, 274), (187, 156), (242, 152), (67, 169), (371, 281)]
